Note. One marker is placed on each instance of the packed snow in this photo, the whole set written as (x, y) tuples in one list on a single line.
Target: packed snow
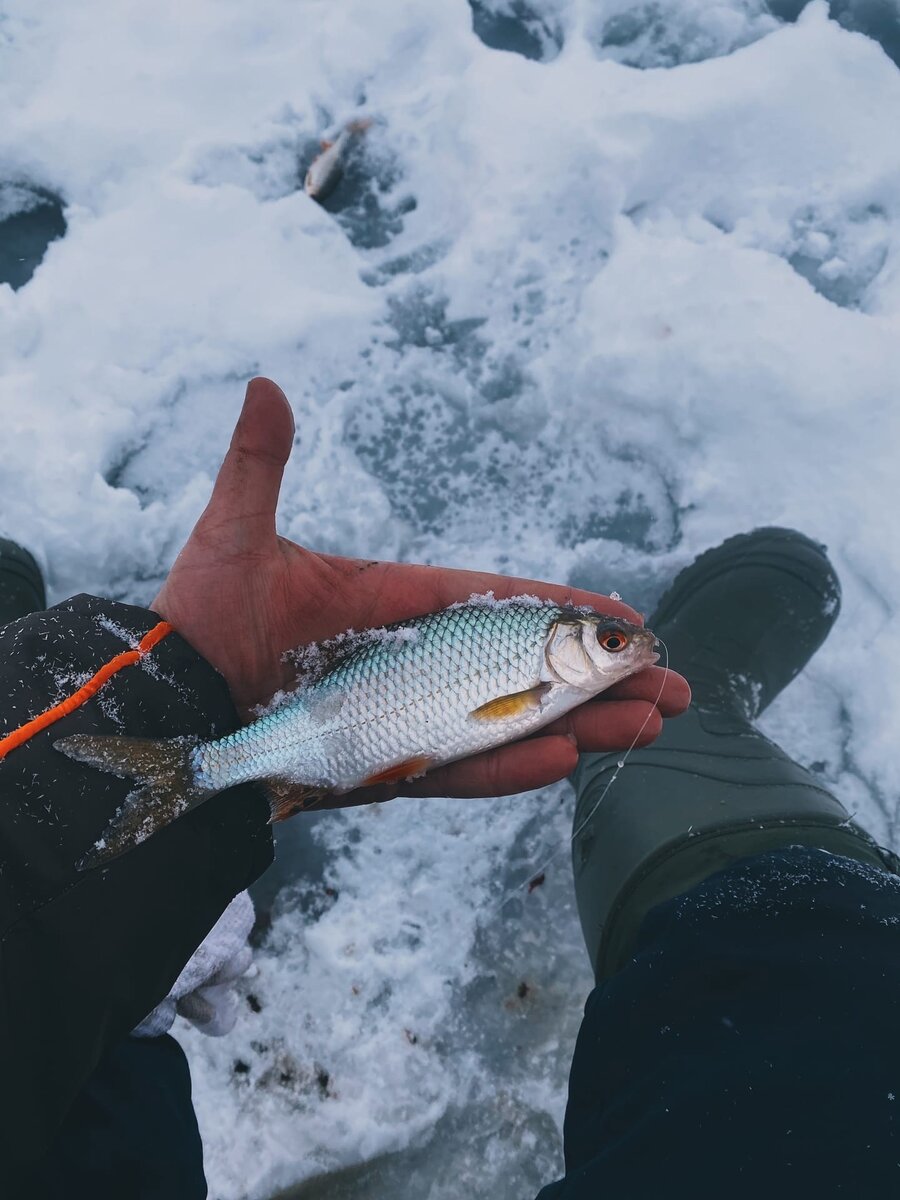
[(603, 284)]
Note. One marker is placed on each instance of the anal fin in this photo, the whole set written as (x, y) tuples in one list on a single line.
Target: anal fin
[(511, 706), (287, 798), (404, 770)]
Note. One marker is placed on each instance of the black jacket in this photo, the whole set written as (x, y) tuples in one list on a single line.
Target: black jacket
[(85, 956)]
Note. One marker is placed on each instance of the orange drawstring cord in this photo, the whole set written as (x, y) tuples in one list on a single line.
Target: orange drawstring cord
[(128, 658)]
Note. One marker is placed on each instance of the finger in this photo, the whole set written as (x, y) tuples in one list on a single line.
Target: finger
[(533, 763), (399, 591), (668, 690), (504, 772), (609, 725), (246, 490), (519, 767), (598, 727)]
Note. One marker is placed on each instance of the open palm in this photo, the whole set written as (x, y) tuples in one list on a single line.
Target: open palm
[(242, 596)]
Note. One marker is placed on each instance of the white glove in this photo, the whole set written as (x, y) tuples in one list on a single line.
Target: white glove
[(204, 992)]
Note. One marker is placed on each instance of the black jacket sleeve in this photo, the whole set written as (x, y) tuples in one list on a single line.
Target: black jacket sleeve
[(85, 956)]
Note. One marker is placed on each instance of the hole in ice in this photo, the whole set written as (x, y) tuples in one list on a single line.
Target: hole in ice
[(443, 459), (515, 26), (648, 519), (630, 522), (420, 319), (463, 429), (668, 33), (364, 200), (877, 19), (31, 218), (840, 255)]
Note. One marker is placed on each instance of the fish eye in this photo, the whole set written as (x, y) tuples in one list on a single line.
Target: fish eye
[(613, 641)]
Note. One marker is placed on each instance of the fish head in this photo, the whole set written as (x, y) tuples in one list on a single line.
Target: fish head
[(592, 652)]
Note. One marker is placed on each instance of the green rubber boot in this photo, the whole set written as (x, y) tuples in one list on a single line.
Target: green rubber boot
[(740, 622), (21, 583)]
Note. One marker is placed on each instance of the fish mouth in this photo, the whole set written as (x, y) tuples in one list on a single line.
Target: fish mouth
[(650, 643)]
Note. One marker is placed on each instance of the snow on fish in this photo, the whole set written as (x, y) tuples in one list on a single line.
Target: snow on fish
[(326, 168), (384, 706)]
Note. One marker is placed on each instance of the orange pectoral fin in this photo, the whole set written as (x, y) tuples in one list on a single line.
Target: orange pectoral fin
[(325, 144), (511, 706), (405, 770)]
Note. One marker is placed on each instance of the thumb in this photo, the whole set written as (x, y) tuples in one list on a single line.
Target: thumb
[(249, 480)]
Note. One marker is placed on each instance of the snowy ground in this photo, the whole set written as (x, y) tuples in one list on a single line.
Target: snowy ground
[(580, 309)]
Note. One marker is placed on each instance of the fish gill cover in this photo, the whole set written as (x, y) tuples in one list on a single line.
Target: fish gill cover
[(586, 305)]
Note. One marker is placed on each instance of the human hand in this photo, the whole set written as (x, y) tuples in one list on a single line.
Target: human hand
[(242, 596)]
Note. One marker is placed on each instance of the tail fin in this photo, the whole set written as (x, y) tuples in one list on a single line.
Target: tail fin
[(360, 125), (162, 769)]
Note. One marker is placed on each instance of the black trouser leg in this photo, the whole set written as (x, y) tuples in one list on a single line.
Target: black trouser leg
[(132, 1133), (751, 1045), (745, 932)]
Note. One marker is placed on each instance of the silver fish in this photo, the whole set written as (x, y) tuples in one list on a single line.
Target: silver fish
[(388, 705), (326, 168)]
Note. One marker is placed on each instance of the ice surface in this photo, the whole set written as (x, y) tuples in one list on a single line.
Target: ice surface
[(569, 318)]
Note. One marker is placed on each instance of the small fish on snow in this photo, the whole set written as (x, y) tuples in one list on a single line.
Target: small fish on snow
[(384, 706), (326, 168)]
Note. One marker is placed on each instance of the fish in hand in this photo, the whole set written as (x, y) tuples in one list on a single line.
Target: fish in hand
[(380, 707)]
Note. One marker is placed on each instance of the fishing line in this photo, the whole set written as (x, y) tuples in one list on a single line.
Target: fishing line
[(536, 876), (621, 763)]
